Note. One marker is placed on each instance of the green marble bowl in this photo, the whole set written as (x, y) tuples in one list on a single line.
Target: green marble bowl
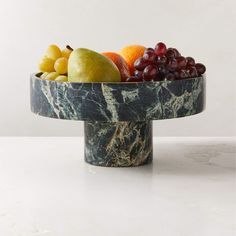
[(118, 116)]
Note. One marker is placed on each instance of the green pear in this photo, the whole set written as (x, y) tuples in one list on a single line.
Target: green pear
[(85, 65)]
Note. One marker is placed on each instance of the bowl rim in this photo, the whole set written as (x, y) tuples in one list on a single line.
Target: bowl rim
[(34, 76)]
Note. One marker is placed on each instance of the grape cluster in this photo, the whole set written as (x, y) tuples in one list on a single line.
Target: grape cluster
[(165, 63), (53, 65)]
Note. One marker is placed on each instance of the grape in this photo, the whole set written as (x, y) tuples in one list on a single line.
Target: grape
[(170, 53), (183, 74), (149, 55), (61, 78), (61, 65), (177, 54), (190, 61), (170, 76), (150, 72), (160, 49), (176, 74), (161, 60), (46, 65), (52, 76), (182, 62), (138, 74), (66, 52), (172, 65), (200, 68), (133, 79), (141, 63), (162, 69), (149, 50), (193, 71), (43, 76), (53, 52)]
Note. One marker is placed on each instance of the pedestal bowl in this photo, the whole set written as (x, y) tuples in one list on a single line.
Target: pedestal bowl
[(117, 116)]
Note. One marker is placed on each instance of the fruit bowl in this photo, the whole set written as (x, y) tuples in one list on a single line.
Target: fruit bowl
[(117, 116)]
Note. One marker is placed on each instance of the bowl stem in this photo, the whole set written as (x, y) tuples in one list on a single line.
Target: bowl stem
[(118, 144)]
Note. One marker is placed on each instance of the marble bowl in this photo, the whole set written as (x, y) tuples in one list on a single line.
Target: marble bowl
[(118, 116)]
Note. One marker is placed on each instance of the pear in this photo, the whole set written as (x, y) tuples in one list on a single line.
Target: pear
[(85, 65)]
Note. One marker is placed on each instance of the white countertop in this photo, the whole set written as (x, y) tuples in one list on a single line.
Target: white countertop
[(47, 189)]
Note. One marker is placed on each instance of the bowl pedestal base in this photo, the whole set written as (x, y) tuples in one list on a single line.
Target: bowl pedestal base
[(118, 144)]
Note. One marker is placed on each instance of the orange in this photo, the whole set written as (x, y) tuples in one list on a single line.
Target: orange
[(120, 63), (131, 53)]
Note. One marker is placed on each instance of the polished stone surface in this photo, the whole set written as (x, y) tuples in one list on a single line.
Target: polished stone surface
[(113, 102), (118, 116), (46, 189), (118, 144)]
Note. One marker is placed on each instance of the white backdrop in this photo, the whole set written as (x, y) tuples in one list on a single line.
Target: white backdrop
[(204, 29)]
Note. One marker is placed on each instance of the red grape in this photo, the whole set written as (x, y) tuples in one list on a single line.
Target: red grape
[(149, 55), (190, 61), (149, 50), (141, 63), (170, 53), (172, 65), (160, 49), (162, 69), (170, 76), (182, 62), (176, 73), (138, 74), (177, 54), (193, 71), (183, 74), (133, 79), (200, 68), (150, 72), (161, 60)]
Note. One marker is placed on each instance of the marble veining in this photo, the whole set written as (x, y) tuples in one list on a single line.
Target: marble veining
[(111, 102), (118, 144), (118, 116)]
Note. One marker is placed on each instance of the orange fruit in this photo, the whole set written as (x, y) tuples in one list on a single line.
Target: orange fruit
[(131, 53), (120, 63)]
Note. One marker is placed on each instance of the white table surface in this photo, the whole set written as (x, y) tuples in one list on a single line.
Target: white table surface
[(47, 189)]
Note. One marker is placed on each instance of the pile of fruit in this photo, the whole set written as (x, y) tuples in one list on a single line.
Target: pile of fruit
[(133, 63)]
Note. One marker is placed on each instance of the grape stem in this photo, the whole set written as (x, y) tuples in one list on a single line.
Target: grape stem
[(69, 47)]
